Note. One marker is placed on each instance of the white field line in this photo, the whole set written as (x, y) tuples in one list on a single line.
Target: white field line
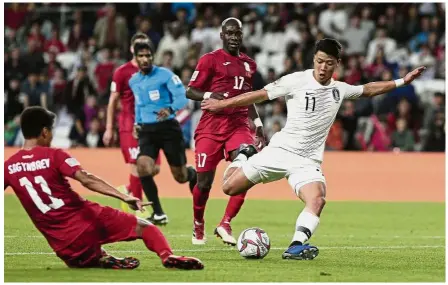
[(281, 236), (233, 249)]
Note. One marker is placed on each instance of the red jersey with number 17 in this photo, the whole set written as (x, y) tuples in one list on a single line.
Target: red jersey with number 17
[(120, 84), (221, 72), (38, 177)]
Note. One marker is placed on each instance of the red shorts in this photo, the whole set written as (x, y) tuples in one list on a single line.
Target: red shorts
[(210, 149), (110, 226), (130, 149)]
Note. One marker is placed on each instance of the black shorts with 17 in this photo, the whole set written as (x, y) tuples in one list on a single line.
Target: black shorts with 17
[(166, 135)]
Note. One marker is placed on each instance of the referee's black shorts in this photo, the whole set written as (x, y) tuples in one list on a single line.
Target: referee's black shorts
[(166, 135)]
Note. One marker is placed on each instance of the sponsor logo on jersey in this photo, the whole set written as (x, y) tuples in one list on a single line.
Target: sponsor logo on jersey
[(336, 95), (154, 95)]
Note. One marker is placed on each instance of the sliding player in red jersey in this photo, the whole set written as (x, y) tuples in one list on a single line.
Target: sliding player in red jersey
[(74, 227)]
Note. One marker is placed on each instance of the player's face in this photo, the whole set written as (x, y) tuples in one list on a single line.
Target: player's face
[(232, 38), (324, 66), (144, 60)]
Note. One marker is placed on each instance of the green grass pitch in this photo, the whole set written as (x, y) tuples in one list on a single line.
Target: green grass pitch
[(387, 242)]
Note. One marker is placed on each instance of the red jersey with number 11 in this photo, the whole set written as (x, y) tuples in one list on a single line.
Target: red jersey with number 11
[(37, 176), (221, 72)]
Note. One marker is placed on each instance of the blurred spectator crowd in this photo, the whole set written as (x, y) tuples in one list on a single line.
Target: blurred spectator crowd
[(62, 57)]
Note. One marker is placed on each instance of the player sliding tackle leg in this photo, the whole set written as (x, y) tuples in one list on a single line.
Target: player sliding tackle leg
[(296, 152), (74, 227), (218, 136)]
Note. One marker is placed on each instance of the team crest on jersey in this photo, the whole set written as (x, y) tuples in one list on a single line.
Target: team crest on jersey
[(247, 67), (336, 95)]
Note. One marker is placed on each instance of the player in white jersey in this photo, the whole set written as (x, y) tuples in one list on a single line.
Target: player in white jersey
[(313, 99)]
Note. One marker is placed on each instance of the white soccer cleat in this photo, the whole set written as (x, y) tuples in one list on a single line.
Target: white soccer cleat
[(198, 234), (224, 232)]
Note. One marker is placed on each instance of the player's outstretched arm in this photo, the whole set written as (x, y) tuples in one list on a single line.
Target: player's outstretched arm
[(245, 99), (98, 185), (381, 87)]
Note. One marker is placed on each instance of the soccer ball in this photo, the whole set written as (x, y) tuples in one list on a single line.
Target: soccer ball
[(253, 243)]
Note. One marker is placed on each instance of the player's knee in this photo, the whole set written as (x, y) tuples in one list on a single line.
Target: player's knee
[(230, 189), (156, 170), (144, 166), (180, 177), (316, 203), (204, 186)]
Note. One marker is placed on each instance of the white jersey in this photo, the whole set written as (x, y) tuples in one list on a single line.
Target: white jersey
[(312, 109)]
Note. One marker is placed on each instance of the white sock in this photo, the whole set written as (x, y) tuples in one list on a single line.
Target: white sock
[(306, 225), (237, 162)]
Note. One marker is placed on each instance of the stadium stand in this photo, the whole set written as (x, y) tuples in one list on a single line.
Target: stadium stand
[(62, 56)]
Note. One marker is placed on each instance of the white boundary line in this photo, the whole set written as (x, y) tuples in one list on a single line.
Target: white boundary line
[(280, 236), (233, 249)]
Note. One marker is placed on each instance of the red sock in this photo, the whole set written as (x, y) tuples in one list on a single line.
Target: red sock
[(233, 207), (155, 241), (135, 187), (199, 202)]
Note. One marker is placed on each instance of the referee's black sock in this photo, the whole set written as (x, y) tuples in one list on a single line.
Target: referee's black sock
[(151, 192)]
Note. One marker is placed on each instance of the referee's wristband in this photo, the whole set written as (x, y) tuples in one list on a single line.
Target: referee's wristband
[(258, 122), (399, 82), (207, 95)]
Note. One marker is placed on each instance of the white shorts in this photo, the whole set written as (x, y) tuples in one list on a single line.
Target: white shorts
[(274, 163)]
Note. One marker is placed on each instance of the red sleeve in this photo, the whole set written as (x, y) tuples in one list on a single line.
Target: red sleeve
[(203, 74), (117, 81), (6, 177), (66, 164)]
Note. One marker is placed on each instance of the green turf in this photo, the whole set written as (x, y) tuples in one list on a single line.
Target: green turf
[(388, 242)]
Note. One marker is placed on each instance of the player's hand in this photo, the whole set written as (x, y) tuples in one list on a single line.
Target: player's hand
[(135, 203), (218, 96), (411, 76), (163, 114), (135, 131), (212, 105), (260, 138), (108, 137)]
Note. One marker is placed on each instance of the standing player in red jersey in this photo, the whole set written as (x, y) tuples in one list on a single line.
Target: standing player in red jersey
[(221, 74), (120, 91), (76, 228)]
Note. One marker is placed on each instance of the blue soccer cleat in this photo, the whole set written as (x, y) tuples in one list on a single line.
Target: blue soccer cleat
[(301, 252)]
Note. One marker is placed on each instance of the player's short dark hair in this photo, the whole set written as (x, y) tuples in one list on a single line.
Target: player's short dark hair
[(139, 36), (34, 119), (329, 46), (138, 46), (231, 22)]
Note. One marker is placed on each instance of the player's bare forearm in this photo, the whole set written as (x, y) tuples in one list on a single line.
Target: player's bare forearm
[(381, 87), (377, 88), (246, 99), (195, 94), (113, 100), (97, 184)]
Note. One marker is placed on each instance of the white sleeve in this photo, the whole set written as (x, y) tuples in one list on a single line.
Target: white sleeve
[(281, 87), (353, 91)]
